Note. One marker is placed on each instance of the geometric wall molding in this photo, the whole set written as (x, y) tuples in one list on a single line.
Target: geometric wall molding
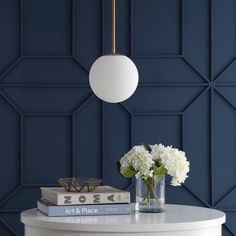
[(158, 34), (6, 229), (38, 40), (176, 70), (52, 125), (63, 70), (10, 41), (223, 51)]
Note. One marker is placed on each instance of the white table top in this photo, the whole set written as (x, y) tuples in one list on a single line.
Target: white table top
[(176, 217)]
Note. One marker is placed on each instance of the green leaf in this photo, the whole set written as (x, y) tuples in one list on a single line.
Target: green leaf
[(118, 166), (147, 147), (145, 178), (128, 172), (157, 163), (160, 171)]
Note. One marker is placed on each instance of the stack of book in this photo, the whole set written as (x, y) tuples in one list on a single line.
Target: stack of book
[(105, 200)]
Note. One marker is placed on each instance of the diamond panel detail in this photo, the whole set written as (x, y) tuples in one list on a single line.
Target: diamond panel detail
[(52, 125)]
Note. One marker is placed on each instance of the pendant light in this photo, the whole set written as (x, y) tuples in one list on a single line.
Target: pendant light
[(114, 77)]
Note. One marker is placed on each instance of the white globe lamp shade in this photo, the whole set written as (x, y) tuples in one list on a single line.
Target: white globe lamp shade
[(113, 78)]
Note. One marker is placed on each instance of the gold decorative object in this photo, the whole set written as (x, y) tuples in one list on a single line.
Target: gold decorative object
[(79, 184)]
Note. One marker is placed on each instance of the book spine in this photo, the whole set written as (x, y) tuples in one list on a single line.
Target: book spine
[(91, 198), (88, 210)]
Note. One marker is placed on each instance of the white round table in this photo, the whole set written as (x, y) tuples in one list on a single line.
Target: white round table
[(178, 220)]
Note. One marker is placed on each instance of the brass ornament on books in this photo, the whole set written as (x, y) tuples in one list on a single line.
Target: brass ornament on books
[(80, 184)]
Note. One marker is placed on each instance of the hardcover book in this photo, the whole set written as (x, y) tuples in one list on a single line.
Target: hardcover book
[(83, 210), (101, 195)]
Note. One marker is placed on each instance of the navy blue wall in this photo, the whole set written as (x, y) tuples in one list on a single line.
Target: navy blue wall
[(51, 124)]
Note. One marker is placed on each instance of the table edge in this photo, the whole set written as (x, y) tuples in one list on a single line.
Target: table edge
[(167, 227)]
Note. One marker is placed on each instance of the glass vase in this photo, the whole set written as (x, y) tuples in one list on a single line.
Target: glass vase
[(150, 194)]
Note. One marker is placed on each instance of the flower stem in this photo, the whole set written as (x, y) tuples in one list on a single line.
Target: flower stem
[(150, 189)]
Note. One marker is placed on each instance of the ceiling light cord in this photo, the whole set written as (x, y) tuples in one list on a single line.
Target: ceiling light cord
[(113, 27), (113, 77)]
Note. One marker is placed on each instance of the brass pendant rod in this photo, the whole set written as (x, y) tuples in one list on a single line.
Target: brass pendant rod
[(113, 27)]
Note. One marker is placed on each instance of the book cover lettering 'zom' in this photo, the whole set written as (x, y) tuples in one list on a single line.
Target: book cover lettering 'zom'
[(101, 195)]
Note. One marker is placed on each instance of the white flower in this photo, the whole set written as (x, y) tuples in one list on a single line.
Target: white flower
[(157, 151), (142, 163), (174, 161), (140, 160)]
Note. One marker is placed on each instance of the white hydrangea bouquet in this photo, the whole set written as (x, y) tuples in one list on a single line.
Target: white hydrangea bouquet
[(149, 162)]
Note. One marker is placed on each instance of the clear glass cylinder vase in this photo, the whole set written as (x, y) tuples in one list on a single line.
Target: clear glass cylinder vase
[(150, 194)]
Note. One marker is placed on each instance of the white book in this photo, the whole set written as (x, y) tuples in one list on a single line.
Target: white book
[(101, 195)]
